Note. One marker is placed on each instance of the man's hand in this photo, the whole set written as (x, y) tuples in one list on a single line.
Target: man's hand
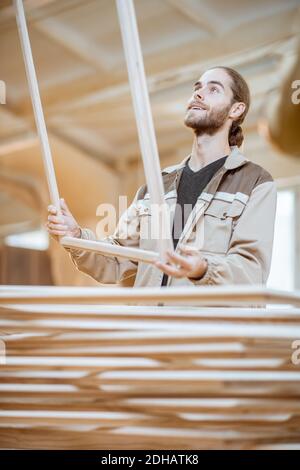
[(189, 264), (64, 224)]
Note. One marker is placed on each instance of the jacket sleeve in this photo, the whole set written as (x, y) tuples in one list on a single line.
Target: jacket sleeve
[(248, 258), (110, 269)]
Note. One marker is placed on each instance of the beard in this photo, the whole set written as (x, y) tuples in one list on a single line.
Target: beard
[(206, 122)]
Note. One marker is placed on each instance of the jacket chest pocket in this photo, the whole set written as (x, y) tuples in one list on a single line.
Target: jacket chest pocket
[(151, 228), (144, 215), (220, 218)]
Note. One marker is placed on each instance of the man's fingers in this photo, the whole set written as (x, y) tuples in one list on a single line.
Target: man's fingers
[(178, 259), (171, 271), (52, 209), (165, 268), (57, 230), (57, 227), (60, 233), (64, 206), (55, 219), (53, 228)]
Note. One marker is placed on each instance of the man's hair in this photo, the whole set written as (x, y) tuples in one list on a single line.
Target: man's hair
[(241, 93)]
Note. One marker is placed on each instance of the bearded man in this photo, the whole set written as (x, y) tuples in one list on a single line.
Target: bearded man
[(222, 205)]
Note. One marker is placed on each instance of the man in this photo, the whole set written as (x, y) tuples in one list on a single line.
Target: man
[(224, 234)]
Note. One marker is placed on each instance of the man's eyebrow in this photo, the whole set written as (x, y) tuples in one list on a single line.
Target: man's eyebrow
[(215, 82)]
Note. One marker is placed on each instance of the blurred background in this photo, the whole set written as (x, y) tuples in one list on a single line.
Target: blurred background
[(84, 88)]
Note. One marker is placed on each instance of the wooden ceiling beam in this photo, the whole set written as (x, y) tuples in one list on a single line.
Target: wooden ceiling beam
[(199, 13), (175, 76), (17, 143), (75, 42)]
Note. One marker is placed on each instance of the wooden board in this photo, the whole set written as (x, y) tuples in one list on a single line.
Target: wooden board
[(111, 377)]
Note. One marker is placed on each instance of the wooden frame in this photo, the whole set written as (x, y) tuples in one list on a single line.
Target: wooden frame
[(109, 377), (144, 123), (36, 103), (143, 115), (207, 295), (111, 250)]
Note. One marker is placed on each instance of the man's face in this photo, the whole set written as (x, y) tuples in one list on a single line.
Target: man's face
[(209, 106)]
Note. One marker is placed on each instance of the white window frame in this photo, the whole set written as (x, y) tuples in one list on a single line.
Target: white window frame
[(144, 122)]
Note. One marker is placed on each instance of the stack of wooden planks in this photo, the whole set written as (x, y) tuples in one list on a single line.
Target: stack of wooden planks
[(88, 375)]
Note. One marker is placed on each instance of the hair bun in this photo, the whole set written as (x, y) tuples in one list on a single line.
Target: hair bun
[(236, 136)]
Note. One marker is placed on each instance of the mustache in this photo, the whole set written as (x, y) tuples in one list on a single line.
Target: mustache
[(197, 104)]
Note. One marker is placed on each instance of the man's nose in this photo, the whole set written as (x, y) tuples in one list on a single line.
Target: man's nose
[(199, 95)]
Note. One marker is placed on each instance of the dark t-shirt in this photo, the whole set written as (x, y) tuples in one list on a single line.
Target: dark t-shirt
[(191, 185)]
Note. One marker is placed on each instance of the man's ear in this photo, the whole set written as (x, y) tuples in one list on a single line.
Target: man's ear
[(237, 110)]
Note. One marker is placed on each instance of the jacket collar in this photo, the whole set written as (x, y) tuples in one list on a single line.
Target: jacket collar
[(235, 159)]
